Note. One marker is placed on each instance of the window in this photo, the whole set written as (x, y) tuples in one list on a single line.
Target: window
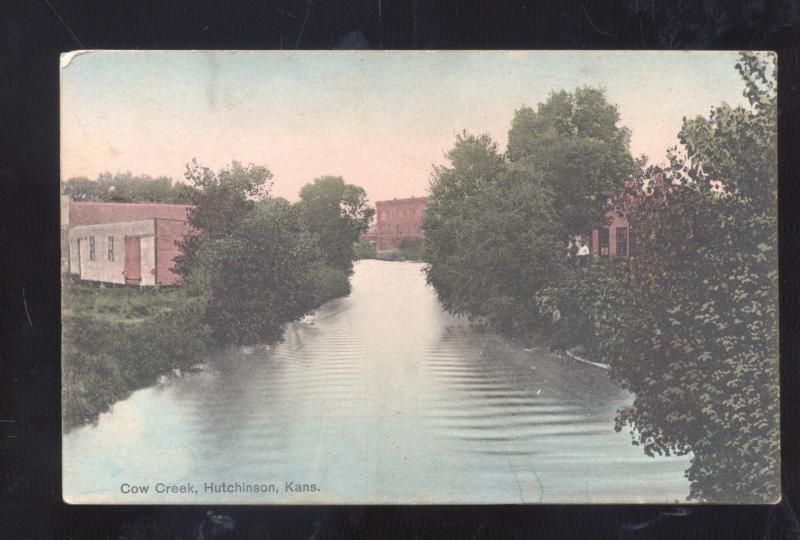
[(602, 241), (91, 248), (622, 241), (110, 248)]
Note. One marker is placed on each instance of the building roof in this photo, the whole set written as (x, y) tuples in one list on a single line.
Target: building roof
[(400, 201), (92, 213)]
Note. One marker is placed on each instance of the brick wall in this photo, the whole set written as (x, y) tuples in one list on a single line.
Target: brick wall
[(398, 220), (167, 232)]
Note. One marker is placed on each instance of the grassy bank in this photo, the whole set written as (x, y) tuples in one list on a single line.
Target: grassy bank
[(119, 339)]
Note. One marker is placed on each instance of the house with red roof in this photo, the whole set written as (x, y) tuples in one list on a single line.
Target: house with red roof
[(123, 243)]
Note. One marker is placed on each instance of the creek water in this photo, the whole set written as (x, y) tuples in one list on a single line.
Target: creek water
[(379, 397)]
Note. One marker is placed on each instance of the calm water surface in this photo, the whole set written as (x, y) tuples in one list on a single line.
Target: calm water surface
[(381, 397)]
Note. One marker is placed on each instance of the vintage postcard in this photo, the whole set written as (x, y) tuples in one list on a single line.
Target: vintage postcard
[(421, 277)]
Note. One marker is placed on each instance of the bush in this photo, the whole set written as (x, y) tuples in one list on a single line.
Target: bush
[(363, 249), (576, 311), (105, 361), (412, 249), (258, 277), (328, 283)]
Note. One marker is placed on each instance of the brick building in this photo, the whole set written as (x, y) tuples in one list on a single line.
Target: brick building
[(614, 239), (396, 221), (124, 243)]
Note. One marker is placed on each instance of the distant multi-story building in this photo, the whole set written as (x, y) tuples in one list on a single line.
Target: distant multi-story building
[(397, 221), (123, 243)]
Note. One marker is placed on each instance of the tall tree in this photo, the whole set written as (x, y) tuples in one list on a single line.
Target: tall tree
[(572, 144), (690, 325), (334, 214), (261, 262), (491, 239), (258, 277), (223, 200), (704, 367)]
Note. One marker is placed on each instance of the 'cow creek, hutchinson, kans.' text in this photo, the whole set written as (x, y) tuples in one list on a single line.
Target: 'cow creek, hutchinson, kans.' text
[(189, 488)]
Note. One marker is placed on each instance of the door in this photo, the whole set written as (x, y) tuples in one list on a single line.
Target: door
[(133, 256)]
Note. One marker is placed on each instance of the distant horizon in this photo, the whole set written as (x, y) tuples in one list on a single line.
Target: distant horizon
[(380, 119)]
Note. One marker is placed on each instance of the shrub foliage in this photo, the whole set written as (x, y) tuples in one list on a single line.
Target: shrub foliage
[(689, 324)]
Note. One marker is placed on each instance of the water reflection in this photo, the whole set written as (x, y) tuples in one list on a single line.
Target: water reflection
[(380, 397)]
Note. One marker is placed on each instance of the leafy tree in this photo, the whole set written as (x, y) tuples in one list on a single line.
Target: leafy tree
[(223, 200), (261, 262), (126, 187), (258, 276), (334, 214), (690, 324), (572, 145), (491, 239), (80, 188), (581, 311), (706, 375)]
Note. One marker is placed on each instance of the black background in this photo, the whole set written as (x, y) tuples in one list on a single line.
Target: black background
[(33, 33)]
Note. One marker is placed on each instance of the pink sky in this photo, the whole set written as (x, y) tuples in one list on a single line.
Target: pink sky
[(379, 119)]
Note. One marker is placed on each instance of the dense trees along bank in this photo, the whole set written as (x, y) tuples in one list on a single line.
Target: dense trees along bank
[(689, 325), (254, 263)]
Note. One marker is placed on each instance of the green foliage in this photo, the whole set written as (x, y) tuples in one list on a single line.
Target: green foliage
[(327, 283), (409, 249), (496, 226), (690, 324), (363, 249), (259, 277), (105, 358), (128, 188), (491, 239), (573, 147), (412, 249), (224, 199), (262, 262), (334, 214), (582, 310), (706, 373), (118, 304)]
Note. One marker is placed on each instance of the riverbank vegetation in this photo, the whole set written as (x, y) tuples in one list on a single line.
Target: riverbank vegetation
[(118, 339), (689, 324), (408, 250), (253, 264)]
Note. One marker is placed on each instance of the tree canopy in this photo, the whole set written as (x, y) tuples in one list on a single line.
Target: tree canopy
[(126, 187), (496, 225), (573, 147), (261, 262), (709, 272), (690, 323), (490, 236), (334, 214)]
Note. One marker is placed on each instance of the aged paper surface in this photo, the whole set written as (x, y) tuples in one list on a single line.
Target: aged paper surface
[(419, 277)]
